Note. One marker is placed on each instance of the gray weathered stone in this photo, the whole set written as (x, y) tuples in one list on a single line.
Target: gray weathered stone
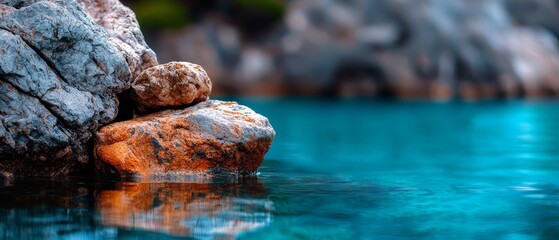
[(59, 76), (124, 31), (34, 141), (77, 47), (24, 69)]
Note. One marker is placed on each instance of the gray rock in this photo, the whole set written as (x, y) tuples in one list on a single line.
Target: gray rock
[(34, 141), (78, 48), (124, 31), (59, 76)]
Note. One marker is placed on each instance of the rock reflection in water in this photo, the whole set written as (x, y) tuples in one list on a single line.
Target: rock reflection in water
[(186, 209), (75, 208)]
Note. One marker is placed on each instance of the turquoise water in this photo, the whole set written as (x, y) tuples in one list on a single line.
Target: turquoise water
[(355, 169)]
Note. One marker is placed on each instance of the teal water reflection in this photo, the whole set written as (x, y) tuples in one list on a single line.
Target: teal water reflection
[(361, 169), (355, 169)]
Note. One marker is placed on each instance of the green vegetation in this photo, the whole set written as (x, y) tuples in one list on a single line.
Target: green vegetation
[(161, 15), (273, 8)]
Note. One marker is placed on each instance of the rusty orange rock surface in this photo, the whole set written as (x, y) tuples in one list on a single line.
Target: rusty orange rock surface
[(208, 138), (173, 84)]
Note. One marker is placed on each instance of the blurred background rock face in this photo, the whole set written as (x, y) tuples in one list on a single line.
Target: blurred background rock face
[(439, 49)]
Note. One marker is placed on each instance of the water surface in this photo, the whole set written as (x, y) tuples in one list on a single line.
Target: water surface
[(355, 169)]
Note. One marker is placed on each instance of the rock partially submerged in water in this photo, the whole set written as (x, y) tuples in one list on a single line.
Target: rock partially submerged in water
[(60, 73), (211, 137), (171, 85)]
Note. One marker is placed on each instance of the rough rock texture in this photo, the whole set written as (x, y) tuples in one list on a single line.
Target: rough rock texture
[(119, 22), (210, 137), (59, 76), (5, 9), (171, 85), (124, 31), (78, 48)]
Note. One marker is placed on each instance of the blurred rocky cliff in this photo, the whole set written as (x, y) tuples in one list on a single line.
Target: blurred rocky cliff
[(440, 49)]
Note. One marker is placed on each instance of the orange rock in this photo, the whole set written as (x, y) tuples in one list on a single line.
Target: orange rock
[(208, 138), (173, 84)]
